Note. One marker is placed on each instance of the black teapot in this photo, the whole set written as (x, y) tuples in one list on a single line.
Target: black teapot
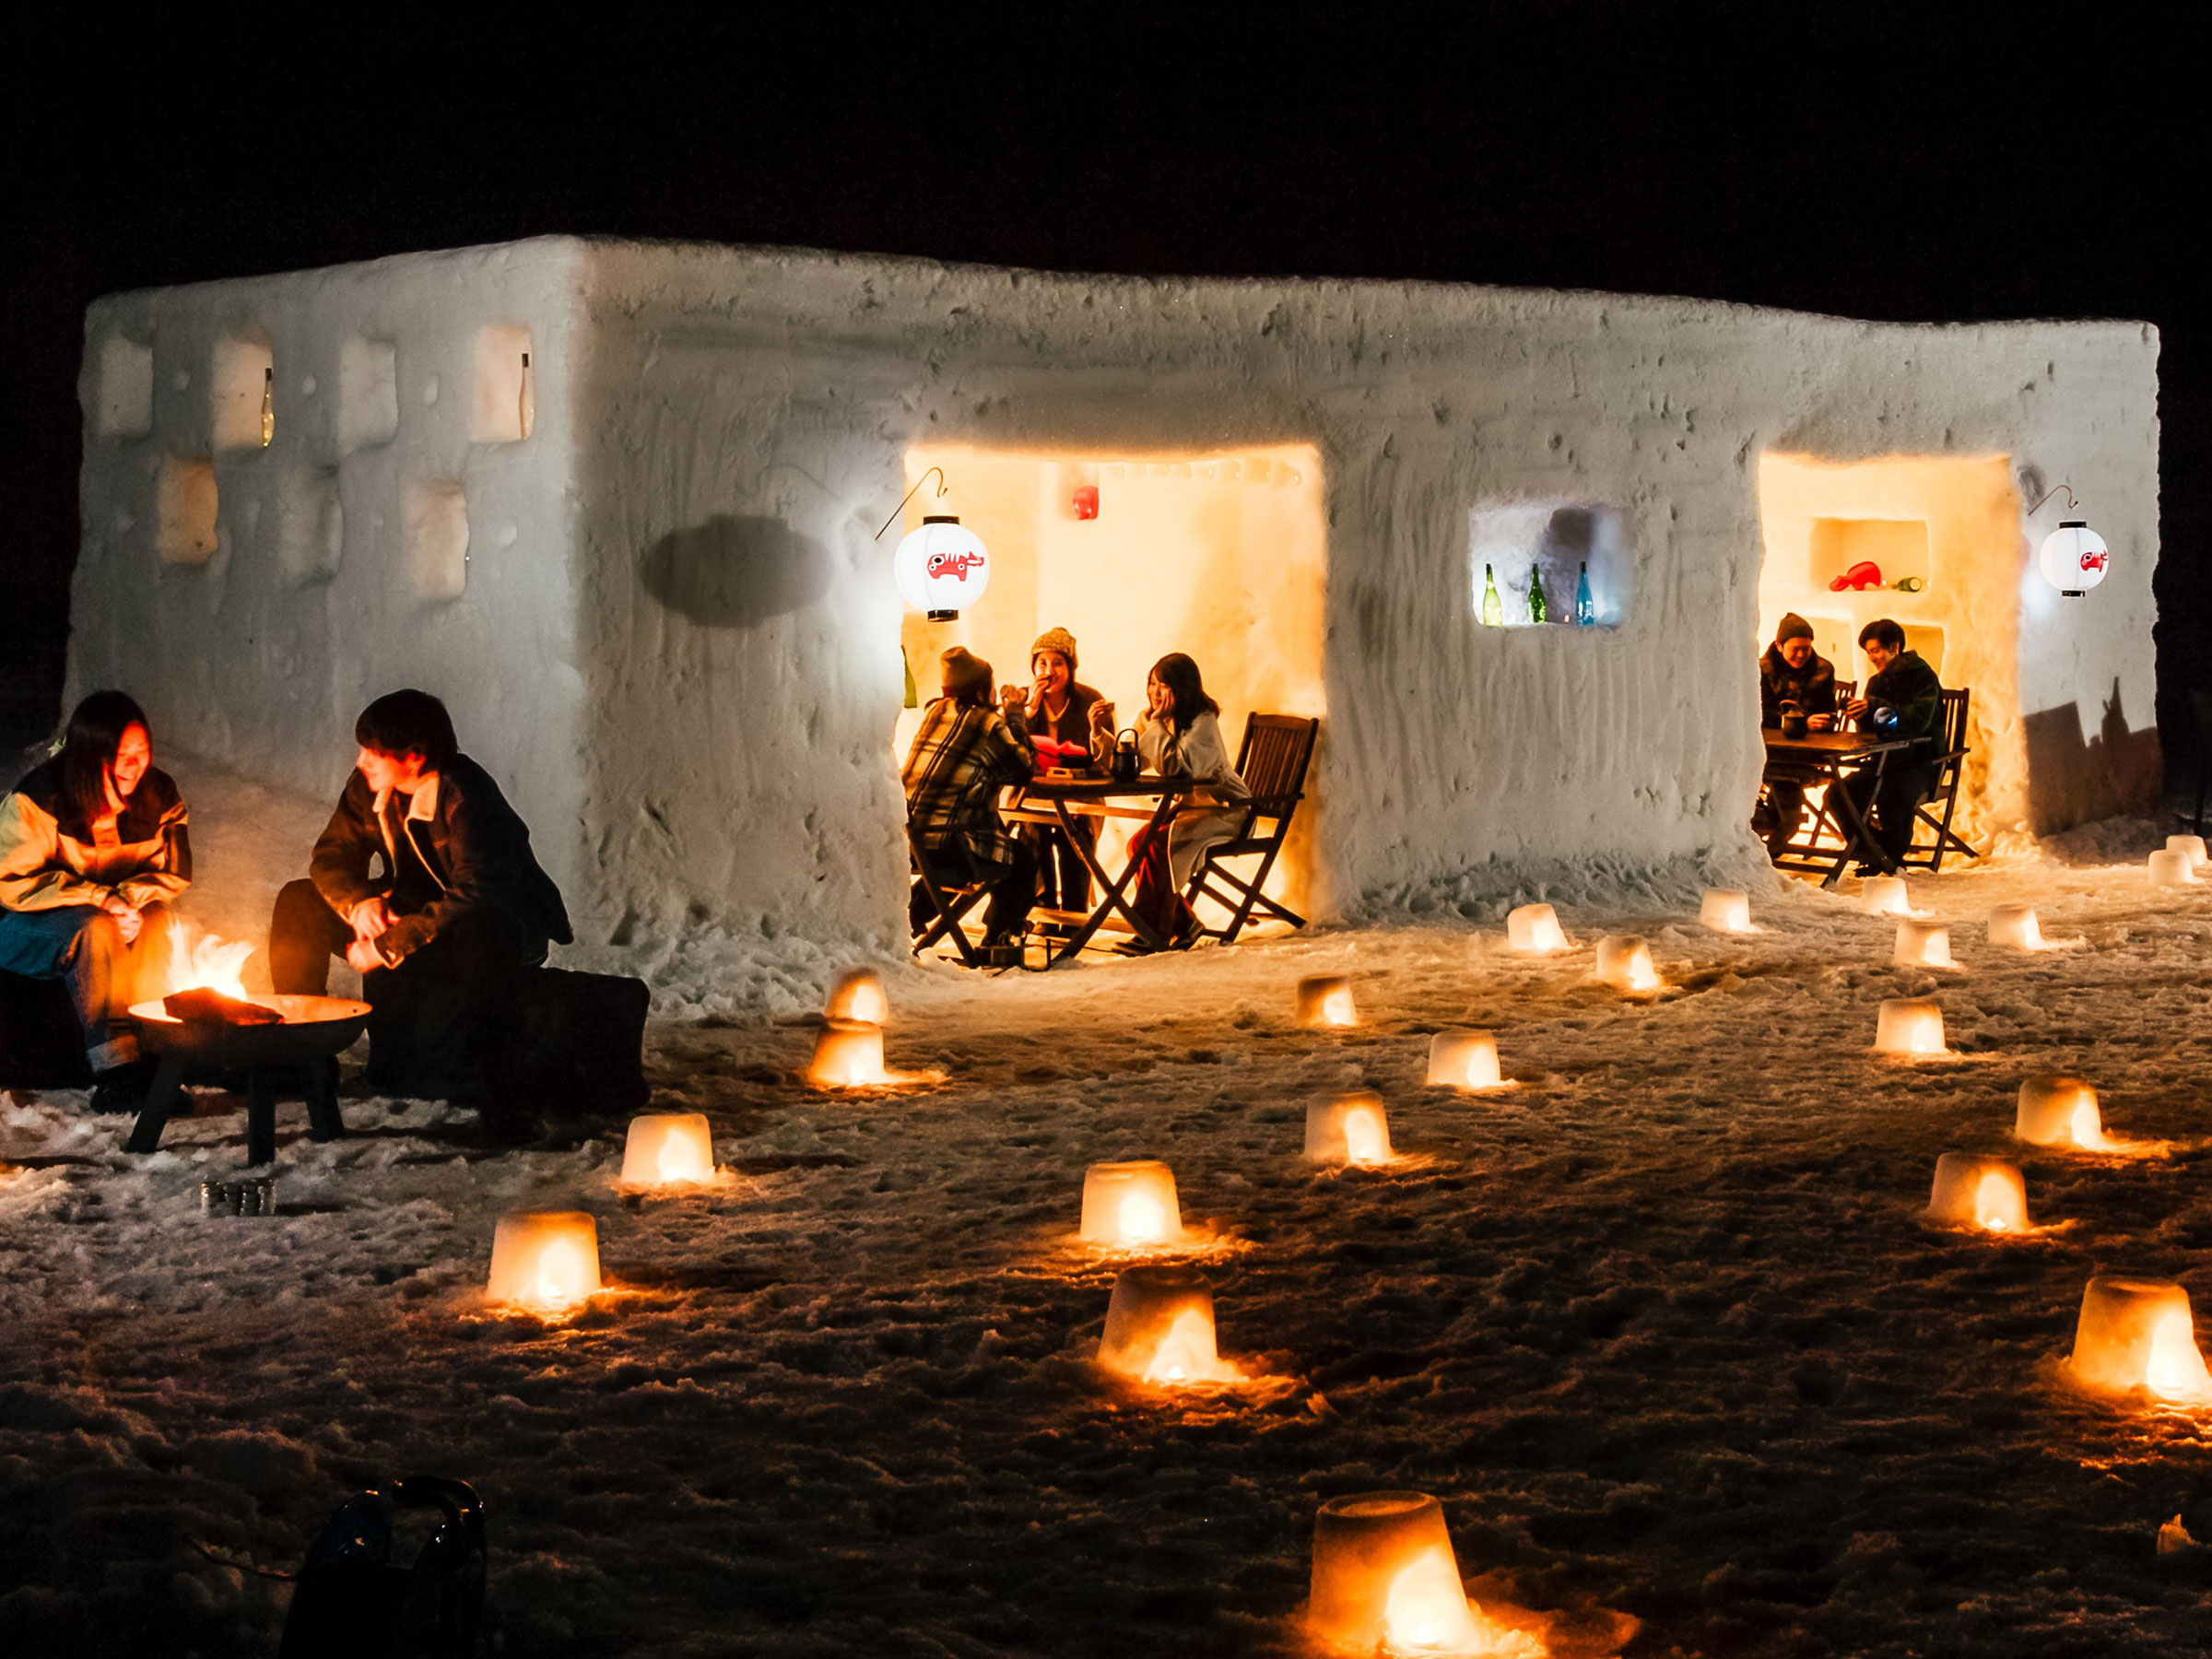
[(1793, 721), (1127, 762)]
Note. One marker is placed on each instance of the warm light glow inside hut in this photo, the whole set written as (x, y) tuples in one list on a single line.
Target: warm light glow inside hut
[(1922, 944), (1348, 1128), (1159, 1328), (2140, 1334), (2015, 927), (547, 1261), (1463, 1060), (2059, 1110), (1386, 1582), (1129, 1205), (668, 1149), (859, 994), (1326, 999), (848, 1053), (1987, 1194), (1534, 930), (1726, 910), (1908, 1025), (1624, 961)]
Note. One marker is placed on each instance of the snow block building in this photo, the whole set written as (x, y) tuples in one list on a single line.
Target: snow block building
[(620, 504)]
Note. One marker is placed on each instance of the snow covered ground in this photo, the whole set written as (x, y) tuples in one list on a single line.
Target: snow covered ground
[(1660, 1325)]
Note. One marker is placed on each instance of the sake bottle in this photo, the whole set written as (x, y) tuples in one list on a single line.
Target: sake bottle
[(527, 410), (1493, 607), (1538, 610), (268, 406), (914, 698), (1586, 608)]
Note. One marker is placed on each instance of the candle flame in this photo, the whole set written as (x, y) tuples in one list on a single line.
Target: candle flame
[(1186, 1353), (2176, 1371), (199, 959), (1141, 1219), (560, 1274), (1643, 976), (1993, 1201), (2087, 1129), (1426, 1610), (678, 1161), (1336, 1007), (1364, 1140)]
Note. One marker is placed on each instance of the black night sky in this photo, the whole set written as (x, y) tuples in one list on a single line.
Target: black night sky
[(1940, 163)]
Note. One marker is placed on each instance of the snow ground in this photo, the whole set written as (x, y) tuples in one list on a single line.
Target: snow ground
[(1659, 1326)]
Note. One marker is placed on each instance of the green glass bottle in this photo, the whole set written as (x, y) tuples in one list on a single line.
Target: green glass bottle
[(913, 700), (1538, 610), (1493, 607)]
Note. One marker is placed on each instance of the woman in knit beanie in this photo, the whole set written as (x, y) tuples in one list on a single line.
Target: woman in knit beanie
[(1072, 726)]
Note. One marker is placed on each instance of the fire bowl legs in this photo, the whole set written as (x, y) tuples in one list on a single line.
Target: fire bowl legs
[(324, 1122)]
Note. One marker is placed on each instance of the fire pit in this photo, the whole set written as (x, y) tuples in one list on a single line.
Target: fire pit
[(311, 1031)]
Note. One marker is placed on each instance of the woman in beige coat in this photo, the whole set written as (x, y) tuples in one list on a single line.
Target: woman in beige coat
[(1180, 736)]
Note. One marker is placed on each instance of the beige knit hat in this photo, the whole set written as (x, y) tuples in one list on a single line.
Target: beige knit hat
[(1054, 638)]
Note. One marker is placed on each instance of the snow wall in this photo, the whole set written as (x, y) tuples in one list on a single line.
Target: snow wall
[(676, 640)]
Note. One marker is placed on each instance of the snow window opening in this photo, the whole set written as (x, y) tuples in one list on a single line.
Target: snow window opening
[(123, 389), (310, 527), (503, 410), (185, 499), (436, 525), (367, 410), (1576, 552), (243, 389)]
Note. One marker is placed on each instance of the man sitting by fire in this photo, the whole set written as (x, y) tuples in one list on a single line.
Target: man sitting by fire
[(1904, 699), (964, 753), (1793, 678), (443, 934)]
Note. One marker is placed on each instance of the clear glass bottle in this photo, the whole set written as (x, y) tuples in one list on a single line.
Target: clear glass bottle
[(1585, 607), (527, 404), (268, 406), (1538, 610), (1493, 607)]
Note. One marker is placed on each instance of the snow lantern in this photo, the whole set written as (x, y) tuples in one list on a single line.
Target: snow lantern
[(1921, 946), (1624, 961), (848, 1053), (2171, 869), (547, 1261), (1128, 1206), (2139, 1333), (1984, 1193), (1534, 930), (2194, 845), (1463, 1060), (1385, 1580), (1908, 1025), (941, 568), (1725, 910), (1884, 895), (2058, 1111), (1159, 1328), (1326, 999), (2074, 557), (1348, 1128), (859, 995), (2015, 926), (666, 1148)]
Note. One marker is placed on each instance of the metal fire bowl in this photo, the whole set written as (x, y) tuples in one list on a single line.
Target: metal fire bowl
[(314, 1027)]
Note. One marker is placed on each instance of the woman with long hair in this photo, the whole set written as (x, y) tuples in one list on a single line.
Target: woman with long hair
[(1179, 735), (93, 850)]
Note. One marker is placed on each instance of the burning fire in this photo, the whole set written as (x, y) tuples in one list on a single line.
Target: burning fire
[(201, 959)]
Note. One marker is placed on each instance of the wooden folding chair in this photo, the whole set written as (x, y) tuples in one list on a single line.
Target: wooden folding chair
[(1272, 762), (955, 887), (1950, 764)]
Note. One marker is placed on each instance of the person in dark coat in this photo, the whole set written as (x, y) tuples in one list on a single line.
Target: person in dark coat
[(441, 931), (1904, 699), (1792, 675), (1070, 726)]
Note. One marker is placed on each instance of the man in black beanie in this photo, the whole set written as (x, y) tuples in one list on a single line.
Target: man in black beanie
[(1792, 675)]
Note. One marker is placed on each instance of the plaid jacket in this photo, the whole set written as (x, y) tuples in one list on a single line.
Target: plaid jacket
[(961, 757)]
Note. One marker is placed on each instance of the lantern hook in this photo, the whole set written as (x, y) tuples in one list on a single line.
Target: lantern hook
[(942, 489), (2071, 503)]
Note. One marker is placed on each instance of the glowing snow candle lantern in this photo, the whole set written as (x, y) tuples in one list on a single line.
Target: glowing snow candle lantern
[(1385, 1579), (1984, 1193), (1908, 1025), (1725, 910), (547, 1261), (1326, 999), (2058, 1111), (2139, 1333), (666, 1148), (1463, 1060), (1128, 1206), (2015, 926), (848, 1053), (1884, 895), (1534, 930), (1921, 946), (2171, 869), (1348, 1128), (859, 995), (2193, 846), (1159, 1328), (1624, 961)]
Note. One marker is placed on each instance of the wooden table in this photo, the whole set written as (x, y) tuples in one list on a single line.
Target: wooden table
[(1057, 802), (1824, 755)]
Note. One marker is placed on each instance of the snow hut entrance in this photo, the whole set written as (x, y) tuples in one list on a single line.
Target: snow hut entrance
[(1933, 543), (1222, 555)]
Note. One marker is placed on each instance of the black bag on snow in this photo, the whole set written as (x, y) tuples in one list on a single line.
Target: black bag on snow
[(353, 1602)]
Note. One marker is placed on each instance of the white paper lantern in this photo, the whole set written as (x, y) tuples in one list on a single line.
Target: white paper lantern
[(2074, 557), (941, 568)]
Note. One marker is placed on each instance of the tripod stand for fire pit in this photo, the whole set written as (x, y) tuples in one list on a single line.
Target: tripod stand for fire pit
[(313, 1031)]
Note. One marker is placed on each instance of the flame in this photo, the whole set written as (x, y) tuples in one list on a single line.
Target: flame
[(2176, 1371), (1141, 1219), (2031, 933), (1643, 976), (678, 1161), (1364, 1139), (560, 1275), (197, 960), (1993, 1201), (1426, 1610), (1186, 1353), (1336, 1007), (2089, 1129)]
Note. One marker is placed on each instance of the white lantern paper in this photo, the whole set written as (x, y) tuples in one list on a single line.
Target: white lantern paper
[(2074, 557), (941, 568)]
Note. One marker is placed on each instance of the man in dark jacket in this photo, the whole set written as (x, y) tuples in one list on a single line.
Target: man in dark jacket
[(1904, 699), (1791, 674), (442, 932)]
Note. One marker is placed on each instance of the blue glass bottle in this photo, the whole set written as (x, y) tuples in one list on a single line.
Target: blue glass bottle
[(1586, 608)]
